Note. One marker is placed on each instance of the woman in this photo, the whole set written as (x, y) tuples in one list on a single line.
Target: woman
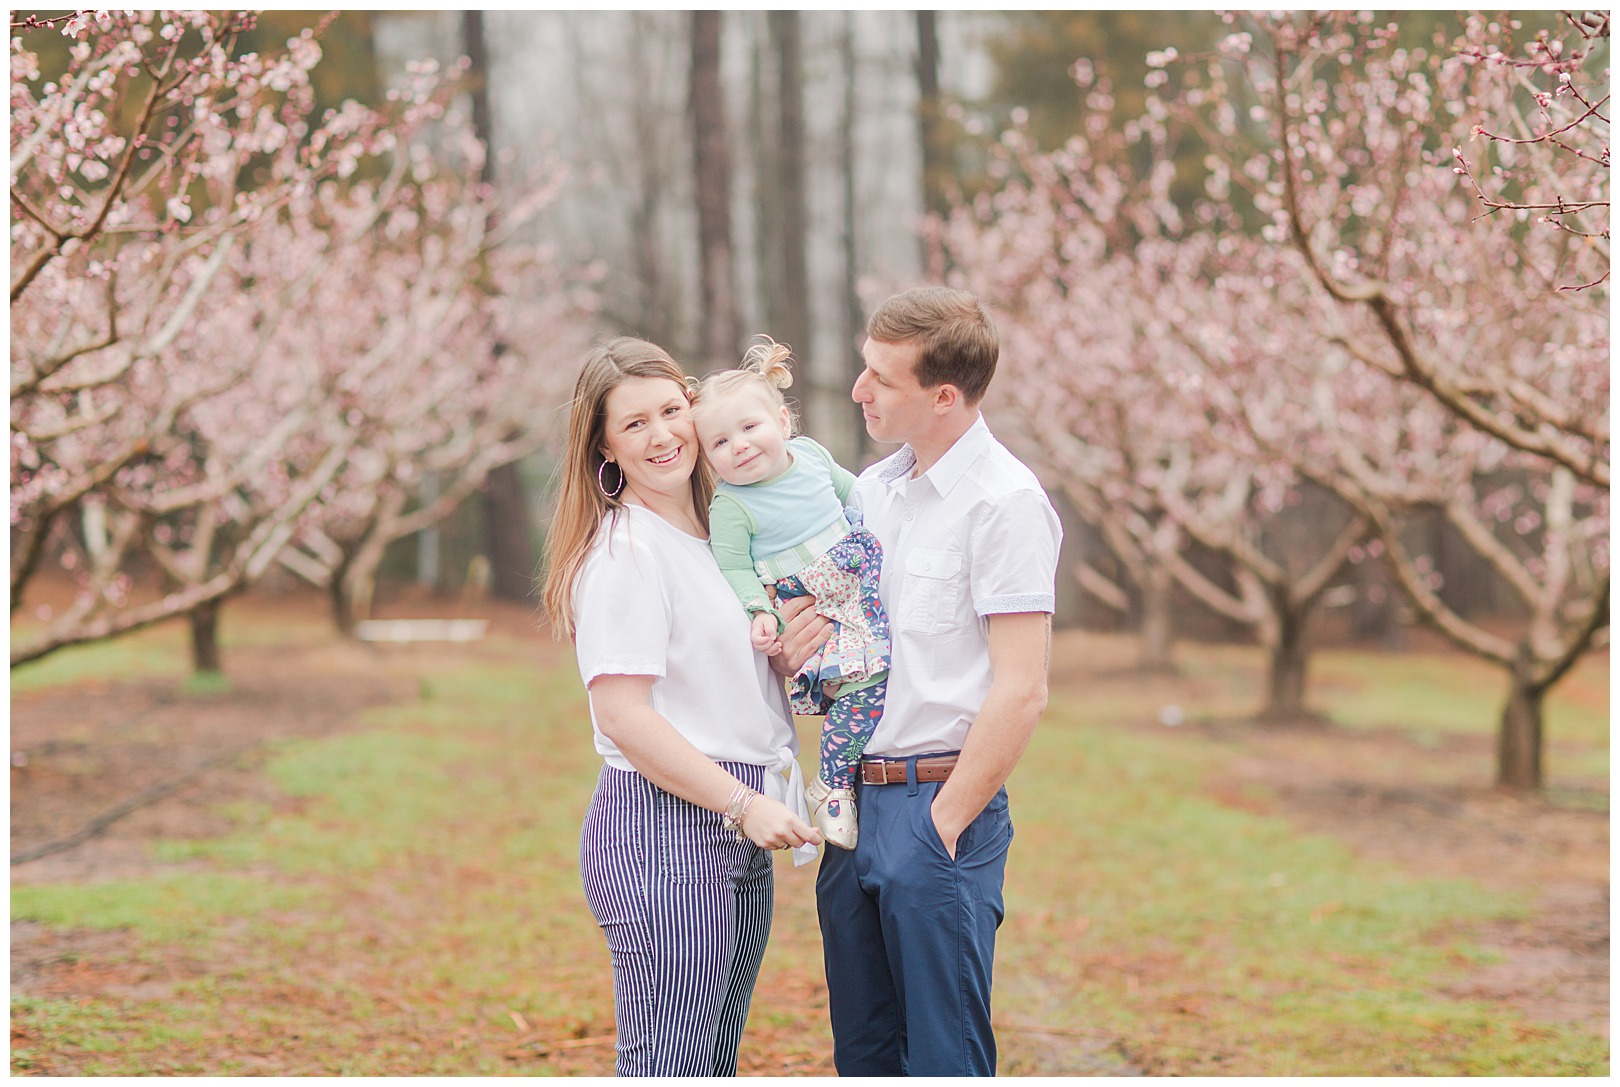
[(693, 728)]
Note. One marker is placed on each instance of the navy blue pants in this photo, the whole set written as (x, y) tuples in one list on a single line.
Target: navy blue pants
[(686, 909), (909, 936)]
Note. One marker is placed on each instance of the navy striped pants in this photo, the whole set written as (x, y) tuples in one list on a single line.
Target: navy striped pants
[(686, 909)]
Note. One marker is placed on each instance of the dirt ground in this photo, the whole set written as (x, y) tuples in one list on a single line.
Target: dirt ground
[(80, 753), (1359, 788), (1429, 808)]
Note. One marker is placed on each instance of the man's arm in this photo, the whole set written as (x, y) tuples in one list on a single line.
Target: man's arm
[(1020, 646), (804, 631)]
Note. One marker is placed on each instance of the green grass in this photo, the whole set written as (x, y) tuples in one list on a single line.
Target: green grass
[(1426, 696), (1384, 689), (431, 859), (419, 887), (174, 908), (155, 653), (1281, 951)]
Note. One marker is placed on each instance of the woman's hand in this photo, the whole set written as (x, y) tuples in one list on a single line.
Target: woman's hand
[(802, 634), (770, 825)]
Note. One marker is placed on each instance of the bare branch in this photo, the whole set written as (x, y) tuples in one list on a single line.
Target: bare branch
[(1101, 588)]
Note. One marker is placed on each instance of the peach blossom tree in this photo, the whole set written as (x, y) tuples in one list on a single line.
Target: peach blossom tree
[(227, 312)]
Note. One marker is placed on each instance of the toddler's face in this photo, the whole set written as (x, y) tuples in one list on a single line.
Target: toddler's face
[(744, 436)]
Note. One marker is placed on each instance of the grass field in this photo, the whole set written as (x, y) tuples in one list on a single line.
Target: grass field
[(409, 902)]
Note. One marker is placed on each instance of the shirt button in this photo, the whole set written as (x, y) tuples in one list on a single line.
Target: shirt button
[(909, 514)]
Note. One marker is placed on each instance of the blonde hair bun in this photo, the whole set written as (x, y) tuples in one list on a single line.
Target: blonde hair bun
[(769, 360)]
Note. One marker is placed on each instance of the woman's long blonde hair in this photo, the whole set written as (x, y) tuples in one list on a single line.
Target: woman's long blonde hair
[(581, 504)]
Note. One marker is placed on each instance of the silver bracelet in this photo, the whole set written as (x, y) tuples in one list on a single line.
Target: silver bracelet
[(731, 819), (749, 799)]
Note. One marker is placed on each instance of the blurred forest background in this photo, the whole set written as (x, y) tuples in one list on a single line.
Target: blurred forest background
[(1393, 338)]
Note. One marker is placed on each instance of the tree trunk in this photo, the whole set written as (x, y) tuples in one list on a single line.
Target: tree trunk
[(1518, 747), (359, 589), (711, 163), (1374, 617), (763, 140), (1158, 626), (1285, 691), (26, 550), (427, 541), (360, 577), (854, 322), (506, 506), (930, 131), (337, 591), (655, 317), (477, 46), (506, 535), (204, 621), (788, 48)]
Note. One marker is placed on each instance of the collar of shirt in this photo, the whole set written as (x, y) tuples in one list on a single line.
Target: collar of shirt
[(949, 469)]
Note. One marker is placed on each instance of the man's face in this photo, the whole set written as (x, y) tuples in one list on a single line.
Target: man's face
[(895, 406)]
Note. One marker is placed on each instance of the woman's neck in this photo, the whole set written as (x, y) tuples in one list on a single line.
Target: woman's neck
[(678, 509)]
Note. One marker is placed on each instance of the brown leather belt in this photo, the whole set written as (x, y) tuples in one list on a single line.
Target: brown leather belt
[(893, 771)]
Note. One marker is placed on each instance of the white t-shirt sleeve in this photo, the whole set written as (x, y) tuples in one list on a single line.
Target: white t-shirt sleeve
[(1014, 549), (621, 614)]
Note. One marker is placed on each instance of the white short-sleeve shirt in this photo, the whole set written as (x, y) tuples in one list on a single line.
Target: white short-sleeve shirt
[(974, 536), (650, 601)]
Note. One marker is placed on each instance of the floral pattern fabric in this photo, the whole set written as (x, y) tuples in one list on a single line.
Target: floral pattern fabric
[(844, 581)]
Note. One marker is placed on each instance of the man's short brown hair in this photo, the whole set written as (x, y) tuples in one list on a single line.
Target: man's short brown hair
[(957, 341)]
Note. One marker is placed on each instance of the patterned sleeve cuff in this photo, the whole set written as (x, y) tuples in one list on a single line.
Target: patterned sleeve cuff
[(1010, 605), (754, 607)]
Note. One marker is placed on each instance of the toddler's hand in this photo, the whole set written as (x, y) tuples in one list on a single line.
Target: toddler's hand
[(763, 632)]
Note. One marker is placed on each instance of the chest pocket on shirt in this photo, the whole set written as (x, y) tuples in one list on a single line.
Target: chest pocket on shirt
[(929, 590)]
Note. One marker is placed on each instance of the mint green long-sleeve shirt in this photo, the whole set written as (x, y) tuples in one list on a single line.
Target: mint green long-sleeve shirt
[(760, 522)]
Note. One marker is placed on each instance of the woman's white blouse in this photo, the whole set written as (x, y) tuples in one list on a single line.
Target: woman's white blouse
[(651, 601)]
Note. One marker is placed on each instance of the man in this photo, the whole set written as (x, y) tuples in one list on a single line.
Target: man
[(970, 541)]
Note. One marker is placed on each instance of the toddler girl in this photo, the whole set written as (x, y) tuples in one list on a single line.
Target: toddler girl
[(778, 517)]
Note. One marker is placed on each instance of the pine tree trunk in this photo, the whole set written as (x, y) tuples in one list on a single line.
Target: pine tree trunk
[(1518, 750), (428, 540), (1158, 626), (764, 143), (506, 535), (654, 318), (935, 168), (506, 506), (787, 42), (854, 320), (711, 161), (205, 638)]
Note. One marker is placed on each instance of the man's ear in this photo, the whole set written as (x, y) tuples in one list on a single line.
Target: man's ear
[(946, 397)]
